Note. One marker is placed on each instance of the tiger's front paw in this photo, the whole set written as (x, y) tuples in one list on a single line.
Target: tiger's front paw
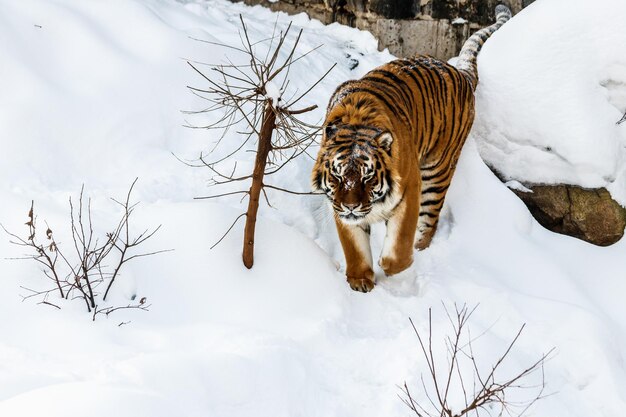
[(361, 284), (393, 266)]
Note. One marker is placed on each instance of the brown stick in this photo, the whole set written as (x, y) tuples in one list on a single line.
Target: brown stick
[(263, 150)]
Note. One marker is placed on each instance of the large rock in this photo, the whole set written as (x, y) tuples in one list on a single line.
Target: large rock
[(406, 27), (480, 12), (392, 9), (410, 37), (588, 214)]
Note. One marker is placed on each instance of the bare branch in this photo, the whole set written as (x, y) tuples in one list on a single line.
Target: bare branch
[(273, 187), (304, 110), (49, 304), (301, 96), (489, 391), (221, 195), (108, 310), (80, 274), (227, 231)]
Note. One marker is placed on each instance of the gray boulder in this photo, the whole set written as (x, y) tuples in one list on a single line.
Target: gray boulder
[(588, 214)]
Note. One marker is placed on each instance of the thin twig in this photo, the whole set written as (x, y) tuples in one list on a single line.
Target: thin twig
[(273, 187), (227, 231), (487, 391), (221, 195)]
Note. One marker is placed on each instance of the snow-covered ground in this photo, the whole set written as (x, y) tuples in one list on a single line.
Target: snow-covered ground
[(91, 93), (553, 86)]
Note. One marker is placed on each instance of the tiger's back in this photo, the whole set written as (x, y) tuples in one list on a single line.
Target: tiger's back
[(427, 98)]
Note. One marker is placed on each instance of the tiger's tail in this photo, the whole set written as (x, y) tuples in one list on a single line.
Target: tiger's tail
[(471, 47)]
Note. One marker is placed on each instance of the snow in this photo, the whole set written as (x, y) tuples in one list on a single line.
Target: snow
[(552, 96), (272, 91), (89, 98), (516, 185)]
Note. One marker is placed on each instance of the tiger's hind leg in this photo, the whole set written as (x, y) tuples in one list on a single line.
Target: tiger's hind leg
[(435, 183), (438, 167)]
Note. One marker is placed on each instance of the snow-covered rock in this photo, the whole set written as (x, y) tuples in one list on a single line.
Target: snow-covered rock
[(552, 87)]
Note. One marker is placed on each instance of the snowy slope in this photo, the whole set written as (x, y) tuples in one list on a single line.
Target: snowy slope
[(89, 98), (553, 85)]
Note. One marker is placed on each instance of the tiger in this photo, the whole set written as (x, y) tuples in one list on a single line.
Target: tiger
[(389, 147)]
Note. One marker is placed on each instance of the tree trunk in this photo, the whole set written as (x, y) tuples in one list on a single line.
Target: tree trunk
[(263, 149)]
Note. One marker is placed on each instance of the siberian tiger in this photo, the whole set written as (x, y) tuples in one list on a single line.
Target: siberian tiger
[(390, 144)]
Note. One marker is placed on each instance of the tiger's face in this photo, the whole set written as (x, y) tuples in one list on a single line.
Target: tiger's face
[(352, 169)]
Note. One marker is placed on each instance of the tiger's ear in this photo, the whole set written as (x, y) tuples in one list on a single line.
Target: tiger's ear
[(385, 140), (330, 130)]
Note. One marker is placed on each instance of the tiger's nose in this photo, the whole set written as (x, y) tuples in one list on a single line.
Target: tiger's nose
[(351, 206)]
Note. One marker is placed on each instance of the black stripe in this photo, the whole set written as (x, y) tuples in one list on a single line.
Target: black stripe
[(435, 175), (428, 203), (439, 93), (339, 90), (428, 214), (400, 95), (407, 67), (435, 189), (379, 96), (360, 103), (428, 110), (399, 83), (364, 127)]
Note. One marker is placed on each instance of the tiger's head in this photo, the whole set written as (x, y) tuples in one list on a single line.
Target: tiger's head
[(353, 169)]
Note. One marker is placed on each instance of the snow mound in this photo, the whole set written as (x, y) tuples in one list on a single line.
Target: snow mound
[(552, 87)]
